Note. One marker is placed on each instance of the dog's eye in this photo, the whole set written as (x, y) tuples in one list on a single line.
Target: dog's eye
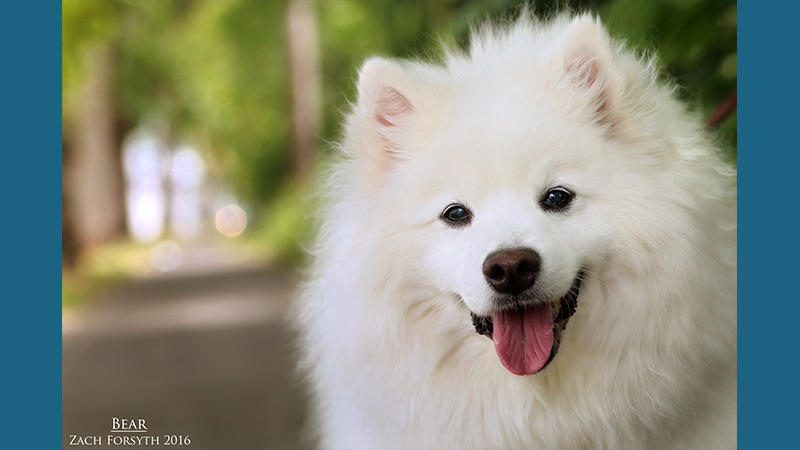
[(557, 199), (456, 214)]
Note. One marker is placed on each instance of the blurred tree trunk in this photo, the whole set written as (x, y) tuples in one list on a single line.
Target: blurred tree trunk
[(94, 178), (69, 241), (122, 127), (301, 26)]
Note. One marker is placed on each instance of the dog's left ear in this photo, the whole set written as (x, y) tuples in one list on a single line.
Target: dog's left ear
[(388, 112), (584, 62)]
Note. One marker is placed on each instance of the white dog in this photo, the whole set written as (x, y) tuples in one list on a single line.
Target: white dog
[(548, 191)]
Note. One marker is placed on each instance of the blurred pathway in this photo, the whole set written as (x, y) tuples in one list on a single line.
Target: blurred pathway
[(203, 352)]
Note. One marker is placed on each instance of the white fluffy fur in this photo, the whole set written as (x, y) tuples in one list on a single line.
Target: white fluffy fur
[(648, 360)]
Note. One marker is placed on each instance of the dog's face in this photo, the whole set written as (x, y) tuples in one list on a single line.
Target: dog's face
[(508, 182), (516, 221), (517, 209)]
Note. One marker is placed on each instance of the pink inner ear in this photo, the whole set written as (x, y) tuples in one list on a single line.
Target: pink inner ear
[(583, 70), (391, 106)]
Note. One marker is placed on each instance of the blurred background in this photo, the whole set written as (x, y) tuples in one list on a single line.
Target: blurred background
[(191, 132)]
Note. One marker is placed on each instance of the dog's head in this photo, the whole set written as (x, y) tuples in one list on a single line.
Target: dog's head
[(504, 175)]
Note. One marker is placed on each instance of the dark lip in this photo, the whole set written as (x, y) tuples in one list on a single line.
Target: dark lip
[(564, 310)]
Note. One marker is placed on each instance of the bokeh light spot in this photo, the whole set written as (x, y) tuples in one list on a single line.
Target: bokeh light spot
[(231, 220)]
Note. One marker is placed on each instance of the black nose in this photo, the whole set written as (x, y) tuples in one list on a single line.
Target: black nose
[(512, 271)]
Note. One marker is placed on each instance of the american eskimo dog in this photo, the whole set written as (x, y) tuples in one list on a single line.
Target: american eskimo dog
[(531, 244)]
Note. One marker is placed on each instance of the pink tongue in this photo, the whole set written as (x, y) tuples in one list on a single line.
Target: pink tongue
[(523, 339)]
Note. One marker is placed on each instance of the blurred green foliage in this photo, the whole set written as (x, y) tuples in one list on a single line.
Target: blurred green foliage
[(217, 71), (83, 25)]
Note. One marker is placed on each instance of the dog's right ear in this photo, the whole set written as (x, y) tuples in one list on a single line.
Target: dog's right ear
[(388, 103)]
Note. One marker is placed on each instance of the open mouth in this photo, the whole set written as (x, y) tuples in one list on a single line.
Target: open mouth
[(527, 336)]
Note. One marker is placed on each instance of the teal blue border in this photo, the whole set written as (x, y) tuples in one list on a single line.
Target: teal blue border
[(769, 120), (30, 224)]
